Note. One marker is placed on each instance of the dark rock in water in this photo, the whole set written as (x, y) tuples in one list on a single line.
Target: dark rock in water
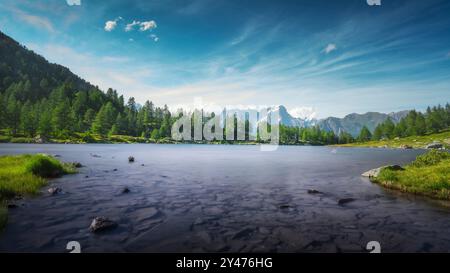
[(284, 206), (18, 197), (245, 233), (56, 156), (142, 165), (87, 176), (115, 170), (54, 190), (125, 190), (130, 159), (344, 201), (312, 191), (94, 155), (101, 224), (77, 164), (12, 206)]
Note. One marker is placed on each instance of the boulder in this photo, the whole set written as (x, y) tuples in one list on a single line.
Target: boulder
[(130, 159), (101, 224), (344, 201), (40, 139), (312, 191), (12, 205), (434, 145), (375, 172), (54, 190), (125, 190), (405, 146), (77, 164)]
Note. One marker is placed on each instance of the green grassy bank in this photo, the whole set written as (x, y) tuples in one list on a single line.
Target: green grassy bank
[(428, 175), (24, 175)]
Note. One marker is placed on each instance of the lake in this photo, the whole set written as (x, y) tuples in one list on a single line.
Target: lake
[(224, 198)]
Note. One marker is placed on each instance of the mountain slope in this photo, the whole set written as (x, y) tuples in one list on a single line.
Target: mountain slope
[(39, 77), (353, 123)]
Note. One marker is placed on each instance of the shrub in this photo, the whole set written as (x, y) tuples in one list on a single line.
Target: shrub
[(22, 140), (5, 139), (45, 166), (430, 158)]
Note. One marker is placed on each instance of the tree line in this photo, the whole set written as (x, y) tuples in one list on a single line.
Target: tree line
[(434, 119)]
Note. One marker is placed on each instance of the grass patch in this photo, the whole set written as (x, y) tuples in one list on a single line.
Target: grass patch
[(22, 140), (428, 175), (25, 175), (416, 142)]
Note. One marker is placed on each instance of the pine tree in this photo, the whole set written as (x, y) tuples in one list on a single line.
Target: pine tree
[(365, 134), (104, 120)]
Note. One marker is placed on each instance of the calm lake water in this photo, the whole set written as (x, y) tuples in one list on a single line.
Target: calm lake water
[(214, 198)]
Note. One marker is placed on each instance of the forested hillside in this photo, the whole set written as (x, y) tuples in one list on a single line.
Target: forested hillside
[(40, 98)]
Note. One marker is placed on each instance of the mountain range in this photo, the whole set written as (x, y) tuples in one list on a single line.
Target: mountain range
[(17, 64), (352, 123)]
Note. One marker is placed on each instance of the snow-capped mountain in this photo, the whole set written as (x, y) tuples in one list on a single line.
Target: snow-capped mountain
[(287, 119)]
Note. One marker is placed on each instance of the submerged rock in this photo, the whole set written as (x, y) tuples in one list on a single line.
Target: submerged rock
[(12, 206), (130, 159), (54, 190), (101, 224), (284, 206), (77, 164), (312, 191), (125, 190), (345, 200)]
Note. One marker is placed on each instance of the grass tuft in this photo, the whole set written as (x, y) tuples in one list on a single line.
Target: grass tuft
[(428, 175)]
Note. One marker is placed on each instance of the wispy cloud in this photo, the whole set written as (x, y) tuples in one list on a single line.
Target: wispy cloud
[(73, 2), (154, 37), (35, 21), (130, 26), (329, 48)]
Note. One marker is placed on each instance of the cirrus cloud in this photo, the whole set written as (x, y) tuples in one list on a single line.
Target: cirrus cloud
[(329, 48), (73, 2)]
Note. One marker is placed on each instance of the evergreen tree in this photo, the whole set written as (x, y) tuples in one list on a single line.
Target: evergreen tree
[(104, 120), (364, 134)]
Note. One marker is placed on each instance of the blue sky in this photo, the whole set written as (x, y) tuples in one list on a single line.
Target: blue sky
[(318, 58)]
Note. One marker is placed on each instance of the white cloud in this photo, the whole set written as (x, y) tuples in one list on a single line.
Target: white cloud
[(131, 25), (73, 2), (154, 37), (112, 24), (330, 48), (148, 25)]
